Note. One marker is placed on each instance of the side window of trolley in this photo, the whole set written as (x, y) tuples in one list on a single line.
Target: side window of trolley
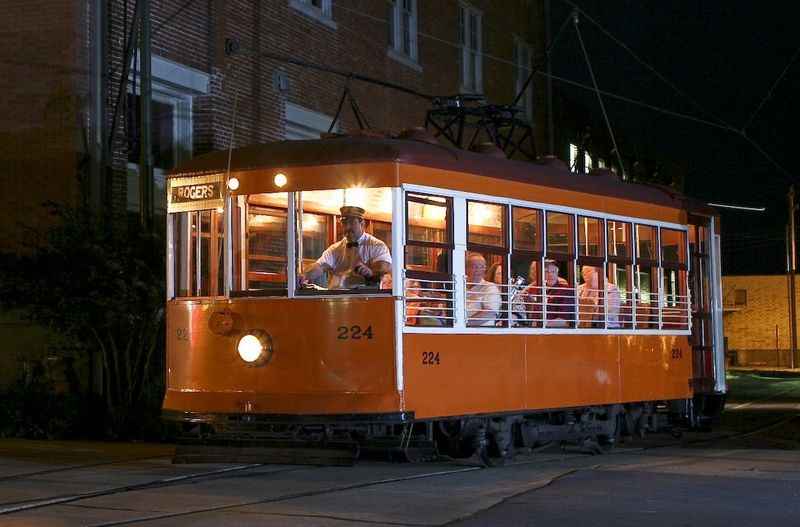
[(486, 265), (598, 301), (646, 280), (197, 253), (429, 286), (675, 297), (261, 246), (559, 308), (527, 252), (345, 247), (620, 270)]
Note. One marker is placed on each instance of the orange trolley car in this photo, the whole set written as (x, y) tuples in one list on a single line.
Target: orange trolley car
[(412, 361)]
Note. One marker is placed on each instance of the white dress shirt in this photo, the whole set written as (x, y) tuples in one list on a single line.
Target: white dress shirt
[(342, 259)]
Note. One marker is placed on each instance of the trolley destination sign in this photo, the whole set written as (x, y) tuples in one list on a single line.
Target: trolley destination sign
[(196, 193)]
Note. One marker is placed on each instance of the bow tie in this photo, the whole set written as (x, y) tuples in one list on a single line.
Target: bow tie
[(352, 244)]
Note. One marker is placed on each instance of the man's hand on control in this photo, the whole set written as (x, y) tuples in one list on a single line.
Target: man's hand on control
[(363, 270)]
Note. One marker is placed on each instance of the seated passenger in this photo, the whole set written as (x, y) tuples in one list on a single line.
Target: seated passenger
[(592, 303), (495, 275), (357, 259), (530, 300), (483, 297), (560, 303)]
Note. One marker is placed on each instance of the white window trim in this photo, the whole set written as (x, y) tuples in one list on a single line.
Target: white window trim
[(523, 71), (174, 84), (478, 88), (323, 16), (300, 121), (395, 51), (459, 227)]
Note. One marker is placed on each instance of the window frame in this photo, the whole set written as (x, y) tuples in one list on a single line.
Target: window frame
[(465, 28), (522, 70), (396, 44), (323, 14), (416, 197)]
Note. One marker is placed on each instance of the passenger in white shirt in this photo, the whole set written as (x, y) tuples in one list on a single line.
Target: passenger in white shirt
[(483, 297), (591, 302), (357, 259)]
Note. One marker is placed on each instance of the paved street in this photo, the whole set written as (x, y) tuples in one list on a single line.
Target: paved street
[(746, 472)]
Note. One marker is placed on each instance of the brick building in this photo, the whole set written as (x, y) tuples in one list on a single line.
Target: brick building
[(69, 120), (64, 92), (756, 319)]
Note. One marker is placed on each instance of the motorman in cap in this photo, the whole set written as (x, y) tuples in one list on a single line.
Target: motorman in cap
[(358, 259)]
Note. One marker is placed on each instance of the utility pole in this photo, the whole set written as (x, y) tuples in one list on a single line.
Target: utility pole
[(792, 270), (146, 146)]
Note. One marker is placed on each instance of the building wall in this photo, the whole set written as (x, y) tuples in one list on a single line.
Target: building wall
[(43, 86), (45, 112), (47, 133), (758, 332)]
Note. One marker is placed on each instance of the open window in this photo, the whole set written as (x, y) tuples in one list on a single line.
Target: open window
[(487, 245), (559, 271), (263, 245), (619, 273), (525, 295), (591, 276), (428, 289), (646, 283), (346, 253), (675, 298)]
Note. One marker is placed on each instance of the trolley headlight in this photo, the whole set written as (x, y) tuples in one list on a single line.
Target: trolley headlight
[(255, 347)]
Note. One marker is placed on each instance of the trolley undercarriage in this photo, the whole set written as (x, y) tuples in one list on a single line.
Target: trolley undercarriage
[(490, 439)]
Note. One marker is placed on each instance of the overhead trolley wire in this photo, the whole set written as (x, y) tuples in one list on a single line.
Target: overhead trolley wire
[(772, 89), (718, 123), (645, 64), (663, 78), (576, 23)]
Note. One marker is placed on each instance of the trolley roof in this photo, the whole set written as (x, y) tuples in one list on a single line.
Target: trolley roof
[(361, 149)]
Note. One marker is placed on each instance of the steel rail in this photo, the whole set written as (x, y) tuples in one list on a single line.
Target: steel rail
[(37, 503), (23, 475)]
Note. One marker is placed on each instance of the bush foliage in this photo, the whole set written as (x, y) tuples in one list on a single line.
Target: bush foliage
[(104, 292)]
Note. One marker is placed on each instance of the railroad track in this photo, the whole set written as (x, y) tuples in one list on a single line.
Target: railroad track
[(23, 475), (32, 504)]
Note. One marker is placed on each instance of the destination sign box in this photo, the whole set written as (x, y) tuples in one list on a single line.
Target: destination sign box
[(195, 193)]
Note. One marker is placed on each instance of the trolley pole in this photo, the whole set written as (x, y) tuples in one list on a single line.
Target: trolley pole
[(792, 271)]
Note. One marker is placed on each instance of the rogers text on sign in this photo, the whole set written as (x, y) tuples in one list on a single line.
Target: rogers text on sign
[(197, 192)]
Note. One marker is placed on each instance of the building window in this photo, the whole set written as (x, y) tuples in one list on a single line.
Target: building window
[(522, 70), (319, 10), (173, 89), (302, 123), (470, 38), (403, 30)]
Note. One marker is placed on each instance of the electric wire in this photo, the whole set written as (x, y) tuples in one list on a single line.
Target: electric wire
[(772, 89), (599, 96), (645, 64)]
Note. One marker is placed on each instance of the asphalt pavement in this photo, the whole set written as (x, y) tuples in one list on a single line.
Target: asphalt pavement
[(746, 472)]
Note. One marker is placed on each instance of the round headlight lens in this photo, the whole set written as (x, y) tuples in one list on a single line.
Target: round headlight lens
[(250, 348)]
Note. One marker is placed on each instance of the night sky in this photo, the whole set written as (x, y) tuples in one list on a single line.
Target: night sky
[(726, 55)]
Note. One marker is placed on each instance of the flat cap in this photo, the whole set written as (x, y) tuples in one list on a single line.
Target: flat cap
[(352, 211)]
